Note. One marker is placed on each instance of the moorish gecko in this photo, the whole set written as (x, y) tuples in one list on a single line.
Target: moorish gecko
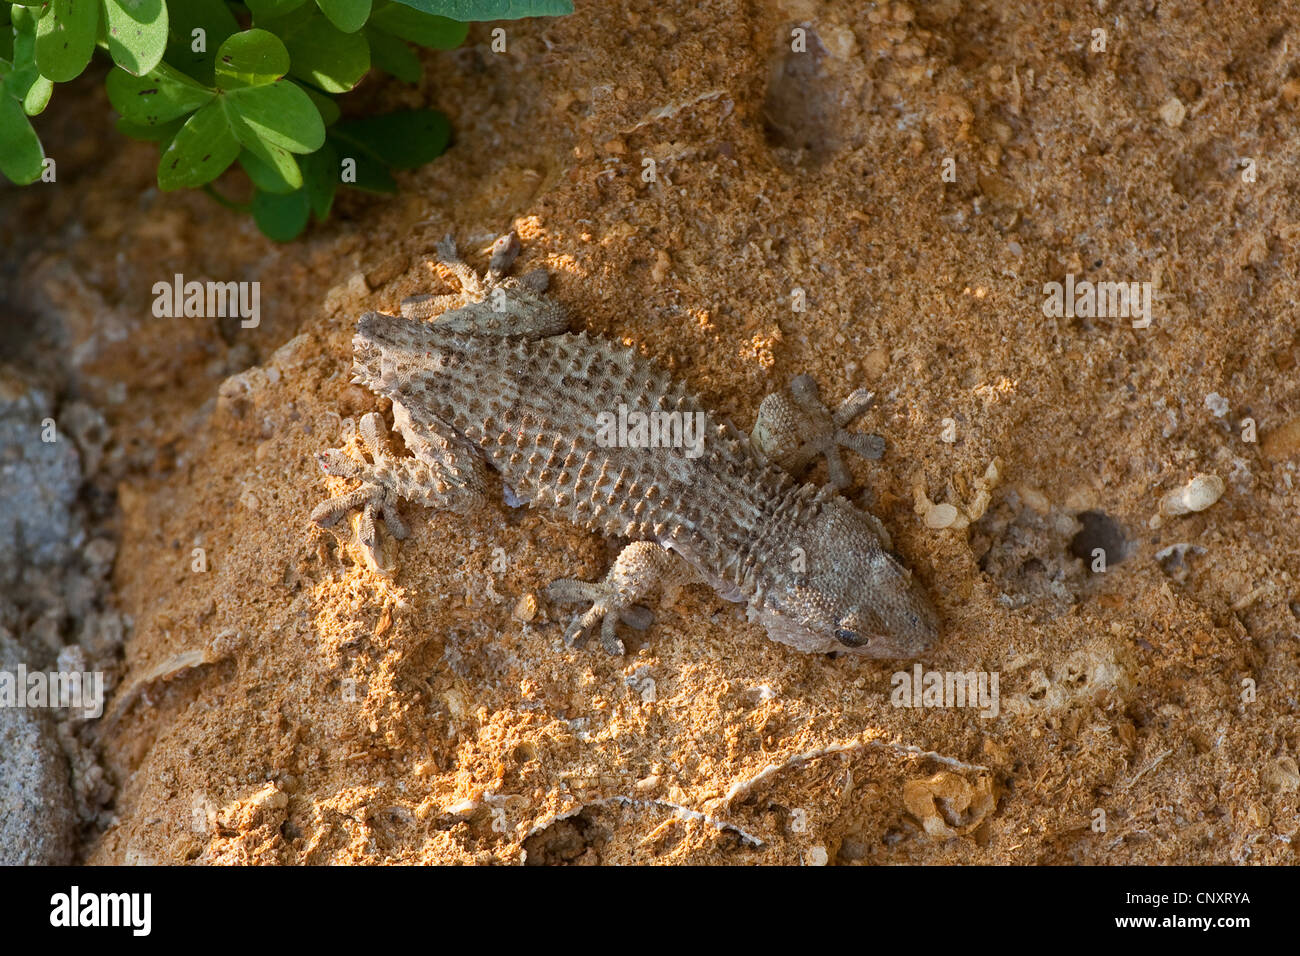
[(499, 379)]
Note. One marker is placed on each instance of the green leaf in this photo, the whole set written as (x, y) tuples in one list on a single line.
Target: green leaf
[(161, 132), (371, 174), (205, 23), (393, 56), (24, 81), (200, 152), (21, 156), (38, 96), (280, 114), (251, 58), (271, 169), (159, 97), (320, 176), (137, 33), (65, 38), (266, 9), (492, 9), (348, 15), (281, 217), (23, 21), (437, 32), (401, 140), (321, 53), (372, 177), (329, 110)]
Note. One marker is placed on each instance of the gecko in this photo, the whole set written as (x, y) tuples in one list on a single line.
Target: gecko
[(491, 379)]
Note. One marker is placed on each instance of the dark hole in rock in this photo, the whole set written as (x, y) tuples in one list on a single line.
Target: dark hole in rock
[(801, 109), (1099, 531)]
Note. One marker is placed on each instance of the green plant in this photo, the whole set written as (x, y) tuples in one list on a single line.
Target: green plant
[(216, 82)]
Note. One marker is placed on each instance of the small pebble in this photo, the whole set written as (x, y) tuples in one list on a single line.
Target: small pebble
[(1217, 404), (941, 516), (1197, 495), (1173, 112), (525, 608)]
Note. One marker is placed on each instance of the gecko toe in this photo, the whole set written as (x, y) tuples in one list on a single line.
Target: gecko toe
[(571, 591), (609, 637), (446, 249), (605, 611), (504, 252), (581, 626)]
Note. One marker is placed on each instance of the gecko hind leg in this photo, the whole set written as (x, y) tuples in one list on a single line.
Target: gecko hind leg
[(428, 306), (473, 286), (639, 569), (794, 427), (469, 280), (494, 303), (504, 252)]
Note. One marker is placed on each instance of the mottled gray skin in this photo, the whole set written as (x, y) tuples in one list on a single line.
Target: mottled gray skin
[(498, 379)]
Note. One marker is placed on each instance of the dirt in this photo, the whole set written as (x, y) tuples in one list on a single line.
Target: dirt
[(281, 703)]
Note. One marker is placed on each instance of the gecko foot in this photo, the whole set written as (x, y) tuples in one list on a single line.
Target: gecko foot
[(639, 568), (794, 427), (376, 498), (502, 256), (492, 302)]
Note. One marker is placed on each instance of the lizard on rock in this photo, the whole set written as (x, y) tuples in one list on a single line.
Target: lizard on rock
[(602, 435)]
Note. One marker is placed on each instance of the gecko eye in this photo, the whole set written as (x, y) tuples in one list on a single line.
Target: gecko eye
[(850, 638)]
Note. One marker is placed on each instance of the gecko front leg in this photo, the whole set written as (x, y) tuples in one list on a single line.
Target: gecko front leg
[(794, 427), (441, 477)]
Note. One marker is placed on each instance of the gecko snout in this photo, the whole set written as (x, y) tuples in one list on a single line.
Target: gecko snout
[(899, 622)]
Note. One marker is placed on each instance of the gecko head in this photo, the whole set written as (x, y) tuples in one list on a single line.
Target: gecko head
[(388, 352), (852, 595)]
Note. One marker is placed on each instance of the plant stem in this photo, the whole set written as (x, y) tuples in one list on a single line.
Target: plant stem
[(228, 203)]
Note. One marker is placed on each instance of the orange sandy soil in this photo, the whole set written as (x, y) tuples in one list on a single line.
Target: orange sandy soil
[(288, 705)]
